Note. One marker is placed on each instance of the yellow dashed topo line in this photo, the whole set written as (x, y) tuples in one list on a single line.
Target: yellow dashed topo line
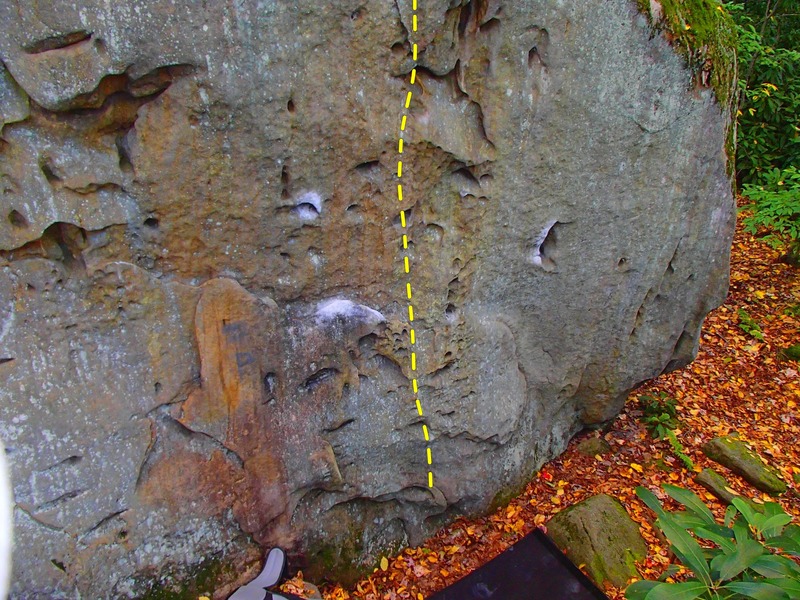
[(406, 260)]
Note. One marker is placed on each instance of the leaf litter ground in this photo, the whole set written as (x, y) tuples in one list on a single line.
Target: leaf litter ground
[(737, 383)]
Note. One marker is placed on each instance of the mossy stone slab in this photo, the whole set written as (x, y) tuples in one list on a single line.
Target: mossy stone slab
[(599, 533), (734, 454), (716, 484)]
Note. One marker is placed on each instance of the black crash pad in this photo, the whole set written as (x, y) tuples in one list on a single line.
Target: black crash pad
[(532, 569)]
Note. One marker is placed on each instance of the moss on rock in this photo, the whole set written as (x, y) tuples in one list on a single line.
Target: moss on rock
[(338, 560), (349, 553), (201, 580), (705, 35), (504, 496)]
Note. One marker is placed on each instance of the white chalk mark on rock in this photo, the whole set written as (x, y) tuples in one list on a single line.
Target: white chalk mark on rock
[(329, 310)]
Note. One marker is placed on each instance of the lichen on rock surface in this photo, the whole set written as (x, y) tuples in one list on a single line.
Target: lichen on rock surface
[(202, 343)]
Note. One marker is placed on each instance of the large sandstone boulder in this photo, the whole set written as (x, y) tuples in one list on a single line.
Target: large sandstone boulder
[(203, 334)]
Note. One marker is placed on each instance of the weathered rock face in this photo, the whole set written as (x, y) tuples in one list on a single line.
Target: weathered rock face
[(203, 336)]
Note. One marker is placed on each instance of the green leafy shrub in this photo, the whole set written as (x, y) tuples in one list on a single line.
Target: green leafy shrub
[(678, 450), (769, 87), (660, 414), (749, 325), (790, 353), (792, 310), (747, 556), (768, 135), (775, 204)]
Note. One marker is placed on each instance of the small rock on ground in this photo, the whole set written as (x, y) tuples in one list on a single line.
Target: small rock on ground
[(599, 534), (732, 453), (716, 484), (593, 446)]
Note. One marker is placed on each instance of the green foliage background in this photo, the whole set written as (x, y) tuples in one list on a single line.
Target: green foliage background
[(768, 143), (769, 86)]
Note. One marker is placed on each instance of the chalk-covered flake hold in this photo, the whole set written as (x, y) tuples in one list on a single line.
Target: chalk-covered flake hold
[(336, 308), (308, 206)]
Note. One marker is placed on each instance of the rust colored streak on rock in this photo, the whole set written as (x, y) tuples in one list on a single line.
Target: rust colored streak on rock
[(238, 338), (231, 327)]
